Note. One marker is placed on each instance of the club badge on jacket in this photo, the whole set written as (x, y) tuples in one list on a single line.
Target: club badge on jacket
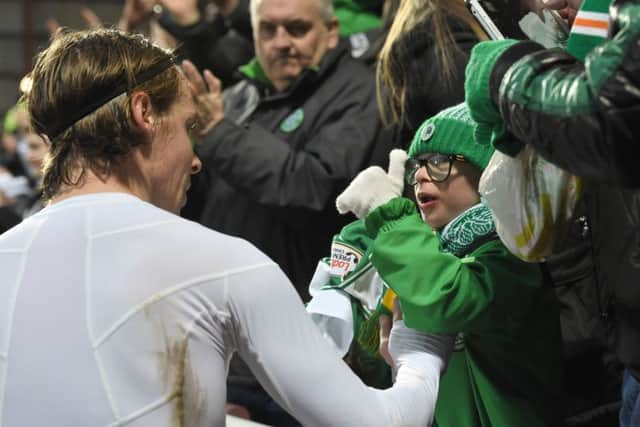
[(293, 121)]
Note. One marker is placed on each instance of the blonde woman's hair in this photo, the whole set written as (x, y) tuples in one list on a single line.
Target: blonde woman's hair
[(390, 74)]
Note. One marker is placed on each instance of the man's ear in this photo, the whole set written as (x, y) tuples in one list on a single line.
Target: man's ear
[(334, 33), (142, 112)]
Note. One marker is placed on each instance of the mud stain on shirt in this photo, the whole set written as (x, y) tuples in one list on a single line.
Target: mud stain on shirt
[(179, 375)]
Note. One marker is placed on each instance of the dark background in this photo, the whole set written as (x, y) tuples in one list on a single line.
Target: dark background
[(23, 32)]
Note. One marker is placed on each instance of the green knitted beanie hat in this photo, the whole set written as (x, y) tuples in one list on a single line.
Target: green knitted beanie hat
[(451, 132)]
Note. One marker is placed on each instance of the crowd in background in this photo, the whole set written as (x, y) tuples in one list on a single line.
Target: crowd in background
[(294, 120)]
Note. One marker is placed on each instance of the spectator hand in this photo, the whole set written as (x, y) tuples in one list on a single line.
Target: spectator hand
[(568, 9), (207, 94), (185, 12), (161, 37), (134, 13), (373, 187), (91, 20), (53, 26), (561, 4), (477, 96)]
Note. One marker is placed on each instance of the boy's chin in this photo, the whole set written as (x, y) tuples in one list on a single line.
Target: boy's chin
[(434, 223), (426, 220)]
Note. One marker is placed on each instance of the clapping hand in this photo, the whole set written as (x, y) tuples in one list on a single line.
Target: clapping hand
[(207, 94)]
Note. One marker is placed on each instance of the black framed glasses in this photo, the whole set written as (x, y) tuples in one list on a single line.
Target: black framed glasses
[(438, 167)]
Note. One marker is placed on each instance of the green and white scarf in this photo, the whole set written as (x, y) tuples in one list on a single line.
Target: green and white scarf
[(465, 230)]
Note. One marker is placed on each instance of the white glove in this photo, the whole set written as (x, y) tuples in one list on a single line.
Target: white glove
[(374, 187)]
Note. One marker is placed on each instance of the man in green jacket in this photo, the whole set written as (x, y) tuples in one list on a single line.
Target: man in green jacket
[(453, 275)]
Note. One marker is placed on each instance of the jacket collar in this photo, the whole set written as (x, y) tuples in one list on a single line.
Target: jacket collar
[(255, 74)]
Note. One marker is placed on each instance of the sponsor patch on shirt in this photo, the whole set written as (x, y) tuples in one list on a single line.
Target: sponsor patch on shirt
[(344, 259), (293, 121)]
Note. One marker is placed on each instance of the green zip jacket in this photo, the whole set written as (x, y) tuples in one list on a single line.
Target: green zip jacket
[(506, 369)]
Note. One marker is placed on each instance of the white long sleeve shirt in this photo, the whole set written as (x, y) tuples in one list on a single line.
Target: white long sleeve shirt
[(114, 312)]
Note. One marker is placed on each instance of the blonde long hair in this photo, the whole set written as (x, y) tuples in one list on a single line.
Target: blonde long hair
[(390, 74)]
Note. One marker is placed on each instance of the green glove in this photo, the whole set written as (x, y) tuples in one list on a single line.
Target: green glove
[(385, 215), (484, 56)]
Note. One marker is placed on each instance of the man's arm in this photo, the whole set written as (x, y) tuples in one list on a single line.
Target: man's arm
[(582, 117), (294, 363), (220, 43)]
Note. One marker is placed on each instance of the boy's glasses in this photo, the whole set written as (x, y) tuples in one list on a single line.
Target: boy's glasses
[(438, 167)]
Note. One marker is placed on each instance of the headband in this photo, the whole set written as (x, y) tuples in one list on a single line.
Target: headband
[(119, 87)]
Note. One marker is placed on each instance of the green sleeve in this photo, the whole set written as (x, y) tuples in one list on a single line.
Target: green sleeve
[(569, 90), (438, 291), (580, 117)]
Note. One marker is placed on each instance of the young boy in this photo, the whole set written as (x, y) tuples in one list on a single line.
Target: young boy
[(453, 275)]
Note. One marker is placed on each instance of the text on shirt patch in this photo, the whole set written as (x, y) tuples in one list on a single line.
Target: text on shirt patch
[(343, 259)]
